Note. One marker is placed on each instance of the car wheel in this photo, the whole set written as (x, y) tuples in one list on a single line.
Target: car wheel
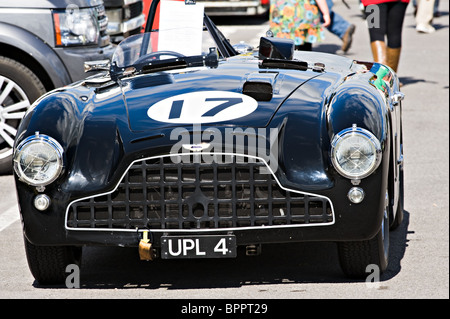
[(19, 88), (355, 256), (48, 263)]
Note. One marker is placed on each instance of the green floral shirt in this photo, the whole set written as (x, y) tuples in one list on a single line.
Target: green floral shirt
[(298, 20)]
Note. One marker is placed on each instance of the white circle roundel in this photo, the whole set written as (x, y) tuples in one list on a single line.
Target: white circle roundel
[(202, 107)]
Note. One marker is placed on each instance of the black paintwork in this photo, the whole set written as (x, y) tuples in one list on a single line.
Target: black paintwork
[(104, 127)]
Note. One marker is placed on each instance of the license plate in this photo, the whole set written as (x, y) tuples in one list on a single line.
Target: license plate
[(203, 246)]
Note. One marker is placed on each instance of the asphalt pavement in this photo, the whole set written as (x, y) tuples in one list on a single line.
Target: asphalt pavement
[(424, 71), (420, 249)]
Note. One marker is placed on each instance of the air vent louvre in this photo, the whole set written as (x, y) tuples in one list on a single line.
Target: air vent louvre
[(260, 91)]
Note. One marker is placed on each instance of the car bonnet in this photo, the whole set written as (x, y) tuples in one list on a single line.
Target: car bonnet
[(225, 96)]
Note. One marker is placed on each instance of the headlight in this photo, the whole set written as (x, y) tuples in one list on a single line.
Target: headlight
[(76, 26), (38, 160), (355, 153)]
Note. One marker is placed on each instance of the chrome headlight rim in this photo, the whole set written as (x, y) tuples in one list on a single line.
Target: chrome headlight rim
[(39, 139), (370, 137)]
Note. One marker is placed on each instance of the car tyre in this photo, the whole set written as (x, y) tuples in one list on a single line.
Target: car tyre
[(48, 263), (356, 256), (19, 88)]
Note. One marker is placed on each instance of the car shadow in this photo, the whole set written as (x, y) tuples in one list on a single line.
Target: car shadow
[(408, 80), (398, 243), (328, 48), (318, 262)]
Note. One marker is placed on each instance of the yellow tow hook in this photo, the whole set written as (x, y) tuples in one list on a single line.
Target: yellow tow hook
[(145, 248)]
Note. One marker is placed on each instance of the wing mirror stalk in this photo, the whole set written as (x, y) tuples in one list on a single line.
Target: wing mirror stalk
[(94, 66)]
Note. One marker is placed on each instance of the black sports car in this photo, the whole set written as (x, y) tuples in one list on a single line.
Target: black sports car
[(191, 152)]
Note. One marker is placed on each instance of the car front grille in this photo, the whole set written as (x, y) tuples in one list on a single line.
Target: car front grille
[(103, 25), (160, 194), (135, 9)]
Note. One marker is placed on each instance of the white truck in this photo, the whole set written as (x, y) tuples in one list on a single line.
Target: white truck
[(236, 7)]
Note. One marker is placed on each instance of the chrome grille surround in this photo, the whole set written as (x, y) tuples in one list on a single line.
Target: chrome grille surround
[(160, 195)]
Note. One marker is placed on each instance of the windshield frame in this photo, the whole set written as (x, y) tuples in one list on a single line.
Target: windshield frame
[(224, 49)]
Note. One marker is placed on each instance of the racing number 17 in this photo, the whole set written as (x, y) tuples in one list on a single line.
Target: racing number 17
[(177, 106)]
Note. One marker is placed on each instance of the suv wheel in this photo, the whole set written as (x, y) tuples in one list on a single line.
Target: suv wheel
[(19, 88)]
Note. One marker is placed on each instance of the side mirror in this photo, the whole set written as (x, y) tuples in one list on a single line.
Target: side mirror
[(398, 96), (276, 48), (100, 65)]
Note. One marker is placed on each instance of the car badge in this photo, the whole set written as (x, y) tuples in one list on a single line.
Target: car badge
[(196, 147)]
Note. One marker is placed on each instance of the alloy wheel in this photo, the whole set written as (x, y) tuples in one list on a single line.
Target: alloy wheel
[(13, 105)]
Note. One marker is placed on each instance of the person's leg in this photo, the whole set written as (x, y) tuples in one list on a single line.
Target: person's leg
[(436, 12), (424, 16), (396, 15), (377, 31), (348, 38), (340, 27)]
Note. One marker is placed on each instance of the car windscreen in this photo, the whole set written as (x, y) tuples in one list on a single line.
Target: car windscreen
[(160, 45)]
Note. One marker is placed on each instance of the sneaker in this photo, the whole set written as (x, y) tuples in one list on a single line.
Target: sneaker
[(425, 28), (347, 38)]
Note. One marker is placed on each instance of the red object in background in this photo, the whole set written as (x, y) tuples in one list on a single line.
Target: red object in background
[(146, 7), (264, 2)]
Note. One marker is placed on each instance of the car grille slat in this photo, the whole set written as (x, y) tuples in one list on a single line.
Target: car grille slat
[(102, 20), (159, 194), (135, 9)]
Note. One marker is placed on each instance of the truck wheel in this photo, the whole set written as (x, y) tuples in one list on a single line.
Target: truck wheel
[(48, 263), (355, 256), (19, 88)]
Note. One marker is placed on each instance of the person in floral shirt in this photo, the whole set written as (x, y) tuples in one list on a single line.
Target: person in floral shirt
[(299, 20)]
